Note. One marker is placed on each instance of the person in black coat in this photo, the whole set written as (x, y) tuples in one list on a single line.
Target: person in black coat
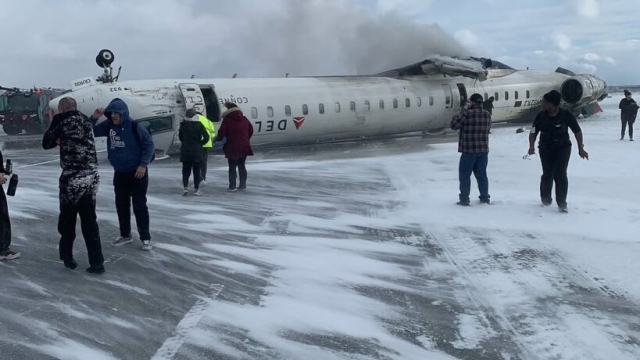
[(193, 136), (628, 112), (5, 223)]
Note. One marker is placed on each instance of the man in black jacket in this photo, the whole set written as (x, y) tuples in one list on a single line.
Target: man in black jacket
[(78, 182), (628, 112), (5, 223), (553, 124)]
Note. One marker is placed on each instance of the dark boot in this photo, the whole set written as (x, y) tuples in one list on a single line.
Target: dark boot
[(96, 269), (70, 264)]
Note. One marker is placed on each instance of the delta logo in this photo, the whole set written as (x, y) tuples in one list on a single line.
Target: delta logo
[(298, 121)]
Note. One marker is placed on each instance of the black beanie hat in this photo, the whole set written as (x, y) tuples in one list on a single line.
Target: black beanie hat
[(476, 98), (553, 97), (191, 113)]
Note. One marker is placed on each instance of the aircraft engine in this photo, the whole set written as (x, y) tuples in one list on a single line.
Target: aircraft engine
[(583, 89)]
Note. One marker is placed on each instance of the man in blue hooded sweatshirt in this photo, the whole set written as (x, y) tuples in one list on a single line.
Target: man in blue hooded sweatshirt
[(129, 151)]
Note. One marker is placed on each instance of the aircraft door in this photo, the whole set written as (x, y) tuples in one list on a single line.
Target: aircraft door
[(193, 97), (463, 95), (448, 96)]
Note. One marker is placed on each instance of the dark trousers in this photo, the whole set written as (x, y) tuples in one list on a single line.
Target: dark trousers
[(187, 167), (127, 187), (554, 168), (86, 208), (237, 163), (475, 163), (5, 222), (203, 165), (624, 127)]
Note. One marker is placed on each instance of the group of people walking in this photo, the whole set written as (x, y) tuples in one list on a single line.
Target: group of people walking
[(552, 124), (197, 136), (130, 150)]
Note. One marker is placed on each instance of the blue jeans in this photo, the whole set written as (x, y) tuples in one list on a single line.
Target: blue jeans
[(475, 163)]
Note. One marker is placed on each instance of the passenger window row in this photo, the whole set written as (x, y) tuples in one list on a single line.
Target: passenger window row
[(337, 108), (496, 97)]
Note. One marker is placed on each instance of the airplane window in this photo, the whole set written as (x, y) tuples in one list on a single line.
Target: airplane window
[(254, 113), (395, 103), (407, 102), (419, 101), (337, 107), (287, 110), (157, 124), (321, 108), (448, 100), (431, 101), (516, 95), (496, 97), (353, 106), (381, 104), (270, 111), (528, 94), (305, 109), (367, 106), (506, 95)]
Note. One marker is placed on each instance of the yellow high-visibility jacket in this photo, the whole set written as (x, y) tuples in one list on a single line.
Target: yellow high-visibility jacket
[(210, 129)]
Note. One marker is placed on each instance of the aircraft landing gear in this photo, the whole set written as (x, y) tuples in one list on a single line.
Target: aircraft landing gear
[(105, 58)]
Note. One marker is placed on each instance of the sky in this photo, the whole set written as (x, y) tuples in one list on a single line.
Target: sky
[(256, 38)]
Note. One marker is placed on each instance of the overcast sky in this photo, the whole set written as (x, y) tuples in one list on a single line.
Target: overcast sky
[(49, 43)]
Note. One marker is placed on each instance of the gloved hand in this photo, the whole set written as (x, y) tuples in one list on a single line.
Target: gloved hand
[(220, 143)]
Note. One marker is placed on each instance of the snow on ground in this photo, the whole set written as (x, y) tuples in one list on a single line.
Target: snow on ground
[(352, 252)]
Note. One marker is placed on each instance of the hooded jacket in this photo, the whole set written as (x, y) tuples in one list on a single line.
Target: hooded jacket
[(238, 130), (124, 151), (193, 136), (78, 158)]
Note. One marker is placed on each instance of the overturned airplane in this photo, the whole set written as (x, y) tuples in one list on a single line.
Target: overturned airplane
[(295, 110)]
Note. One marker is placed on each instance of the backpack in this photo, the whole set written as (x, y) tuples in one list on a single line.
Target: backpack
[(136, 134)]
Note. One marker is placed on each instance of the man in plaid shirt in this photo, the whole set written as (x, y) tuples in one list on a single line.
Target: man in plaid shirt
[(474, 124)]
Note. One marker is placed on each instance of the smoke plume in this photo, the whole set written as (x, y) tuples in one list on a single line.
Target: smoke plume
[(338, 38)]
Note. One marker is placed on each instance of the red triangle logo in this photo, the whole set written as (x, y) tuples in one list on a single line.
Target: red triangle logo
[(298, 121)]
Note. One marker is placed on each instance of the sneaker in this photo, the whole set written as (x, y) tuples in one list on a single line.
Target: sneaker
[(121, 240), (242, 187), (185, 192), (197, 193), (232, 189), (563, 209), (203, 183), (463, 203), (9, 255), (631, 139), (485, 201), (146, 245), (96, 269)]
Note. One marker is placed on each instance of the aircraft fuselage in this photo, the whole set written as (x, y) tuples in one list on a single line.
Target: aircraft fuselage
[(317, 109)]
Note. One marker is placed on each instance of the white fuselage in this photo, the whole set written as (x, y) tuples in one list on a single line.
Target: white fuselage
[(316, 109)]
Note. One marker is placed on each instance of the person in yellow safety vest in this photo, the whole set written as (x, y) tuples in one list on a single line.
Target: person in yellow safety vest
[(212, 134)]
